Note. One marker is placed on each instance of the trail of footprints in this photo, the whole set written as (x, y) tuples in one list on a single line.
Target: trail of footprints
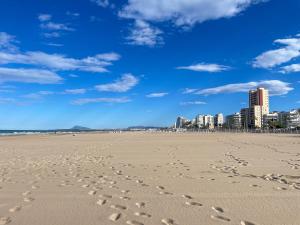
[(71, 170)]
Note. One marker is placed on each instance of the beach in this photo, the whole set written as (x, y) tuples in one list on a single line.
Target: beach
[(145, 178)]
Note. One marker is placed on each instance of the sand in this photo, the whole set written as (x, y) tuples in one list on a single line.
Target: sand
[(150, 178)]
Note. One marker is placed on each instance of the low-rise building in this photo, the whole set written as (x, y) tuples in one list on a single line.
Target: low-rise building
[(234, 121), (245, 118), (208, 121), (271, 120), (181, 122)]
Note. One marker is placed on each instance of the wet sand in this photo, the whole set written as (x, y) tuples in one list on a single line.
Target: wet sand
[(144, 178)]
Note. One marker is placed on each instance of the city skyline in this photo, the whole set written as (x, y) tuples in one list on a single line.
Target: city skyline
[(115, 64)]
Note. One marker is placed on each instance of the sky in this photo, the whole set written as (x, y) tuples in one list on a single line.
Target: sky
[(120, 63)]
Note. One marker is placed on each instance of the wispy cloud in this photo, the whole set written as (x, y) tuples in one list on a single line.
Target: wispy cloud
[(7, 100), (101, 3), (7, 42), (39, 76), (192, 103), (272, 58), (38, 95), (275, 87), (75, 91), (125, 83), (44, 17), (56, 26), (52, 29), (97, 63), (84, 101), (189, 90), (204, 67), (157, 95), (142, 33), (73, 14)]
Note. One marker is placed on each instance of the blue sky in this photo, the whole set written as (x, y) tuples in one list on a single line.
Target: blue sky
[(113, 64)]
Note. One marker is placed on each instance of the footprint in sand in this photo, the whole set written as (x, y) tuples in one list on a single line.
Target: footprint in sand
[(160, 187), (15, 209), (105, 196), (246, 223), (217, 217), (101, 202), (120, 207), (187, 196), (114, 216), (168, 221), (28, 199), (140, 204), (142, 214), (217, 209), (125, 198), (133, 222), (26, 193), (92, 192), (4, 220), (193, 203), (165, 193)]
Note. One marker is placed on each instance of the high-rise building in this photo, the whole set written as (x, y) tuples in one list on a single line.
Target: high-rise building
[(219, 120), (258, 106)]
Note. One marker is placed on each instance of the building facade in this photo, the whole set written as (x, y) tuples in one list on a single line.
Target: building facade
[(219, 120), (258, 107), (234, 121)]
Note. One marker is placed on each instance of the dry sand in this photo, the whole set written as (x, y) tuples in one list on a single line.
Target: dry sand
[(138, 178)]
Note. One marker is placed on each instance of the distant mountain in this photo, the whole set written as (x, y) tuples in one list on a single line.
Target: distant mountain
[(80, 128)]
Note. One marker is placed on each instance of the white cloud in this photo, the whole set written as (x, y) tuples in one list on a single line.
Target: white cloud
[(7, 42), (84, 101), (204, 67), (74, 14), (279, 56), (44, 17), (52, 29), (193, 103), (102, 3), (142, 33), (28, 76), (157, 95), (75, 91), (111, 56), (184, 12), (56, 26), (125, 83), (6, 100), (290, 68), (54, 44), (38, 95), (189, 90), (97, 63), (275, 87), (52, 35)]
